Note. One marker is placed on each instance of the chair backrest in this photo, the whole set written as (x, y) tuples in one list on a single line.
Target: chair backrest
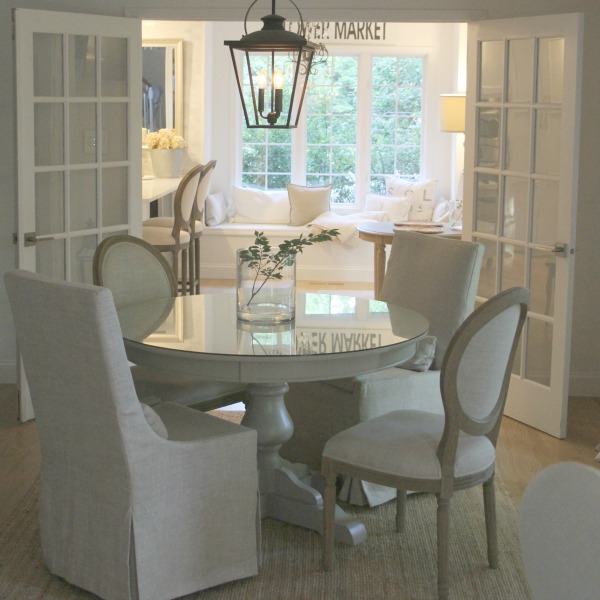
[(81, 386), (185, 200), (559, 530), (477, 368), (437, 277), (133, 270), (203, 189)]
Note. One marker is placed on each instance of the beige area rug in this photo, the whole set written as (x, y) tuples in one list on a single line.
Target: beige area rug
[(387, 566)]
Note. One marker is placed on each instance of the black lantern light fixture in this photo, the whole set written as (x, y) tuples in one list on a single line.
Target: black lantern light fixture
[(272, 68)]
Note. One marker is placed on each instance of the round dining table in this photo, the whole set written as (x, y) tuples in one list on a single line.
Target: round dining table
[(332, 336)]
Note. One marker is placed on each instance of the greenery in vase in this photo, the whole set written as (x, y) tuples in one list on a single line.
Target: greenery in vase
[(269, 264)]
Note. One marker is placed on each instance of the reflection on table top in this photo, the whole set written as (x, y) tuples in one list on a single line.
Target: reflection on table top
[(153, 189), (325, 324)]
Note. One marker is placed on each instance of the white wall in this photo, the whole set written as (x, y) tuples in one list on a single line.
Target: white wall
[(585, 373)]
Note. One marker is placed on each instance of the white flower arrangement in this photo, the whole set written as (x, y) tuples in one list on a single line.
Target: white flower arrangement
[(164, 139)]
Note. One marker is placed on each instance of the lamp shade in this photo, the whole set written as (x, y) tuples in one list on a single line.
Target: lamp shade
[(452, 112)]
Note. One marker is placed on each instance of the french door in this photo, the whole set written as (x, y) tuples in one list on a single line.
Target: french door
[(521, 159), (79, 141)]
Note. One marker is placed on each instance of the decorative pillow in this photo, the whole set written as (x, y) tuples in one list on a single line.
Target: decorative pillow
[(307, 203), (421, 210), (260, 206), (423, 358), (415, 190), (441, 212), (215, 209), (155, 422), (397, 209)]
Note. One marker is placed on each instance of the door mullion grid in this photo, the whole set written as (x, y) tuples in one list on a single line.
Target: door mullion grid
[(99, 138), (67, 155)]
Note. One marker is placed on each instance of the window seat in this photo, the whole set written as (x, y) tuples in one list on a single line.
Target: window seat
[(328, 261)]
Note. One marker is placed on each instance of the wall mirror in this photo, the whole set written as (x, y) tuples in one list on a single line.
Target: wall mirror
[(162, 84)]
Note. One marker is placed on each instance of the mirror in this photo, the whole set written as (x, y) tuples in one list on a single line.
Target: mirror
[(162, 85)]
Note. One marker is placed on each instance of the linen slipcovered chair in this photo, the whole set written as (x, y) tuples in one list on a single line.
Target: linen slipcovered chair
[(134, 271), (136, 501), (196, 224), (428, 452), (559, 531), (175, 236), (435, 276)]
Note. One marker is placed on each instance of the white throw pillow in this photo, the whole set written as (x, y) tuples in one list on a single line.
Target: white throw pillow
[(307, 203), (260, 206), (215, 209), (421, 210), (397, 209), (415, 190), (441, 212)]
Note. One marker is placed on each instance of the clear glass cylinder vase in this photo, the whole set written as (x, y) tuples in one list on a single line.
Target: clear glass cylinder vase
[(263, 297)]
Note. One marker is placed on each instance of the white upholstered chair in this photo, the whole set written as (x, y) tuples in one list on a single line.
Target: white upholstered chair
[(175, 235), (195, 226), (427, 452), (435, 276), (559, 531), (136, 501), (134, 271)]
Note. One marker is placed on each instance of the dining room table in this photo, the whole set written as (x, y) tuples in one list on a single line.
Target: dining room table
[(381, 233), (332, 336)]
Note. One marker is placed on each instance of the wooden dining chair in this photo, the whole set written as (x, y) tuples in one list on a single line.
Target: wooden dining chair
[(428, 452), (135, 271), (196, 225), (173, 234)]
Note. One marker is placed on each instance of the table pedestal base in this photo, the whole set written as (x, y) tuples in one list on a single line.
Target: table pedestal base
[(286, 490)]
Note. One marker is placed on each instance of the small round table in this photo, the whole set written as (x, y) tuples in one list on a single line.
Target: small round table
[(382, 233), (333, 336)]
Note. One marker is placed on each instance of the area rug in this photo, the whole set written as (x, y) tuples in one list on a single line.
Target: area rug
[(387, 566)]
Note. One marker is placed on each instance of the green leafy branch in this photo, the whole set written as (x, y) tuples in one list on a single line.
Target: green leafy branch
[(268, 264)]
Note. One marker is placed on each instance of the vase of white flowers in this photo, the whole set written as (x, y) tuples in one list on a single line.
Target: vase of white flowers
[(266, 277), (166, 152)]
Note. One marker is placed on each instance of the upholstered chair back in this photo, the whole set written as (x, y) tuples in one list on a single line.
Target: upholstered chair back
[(437, 277)]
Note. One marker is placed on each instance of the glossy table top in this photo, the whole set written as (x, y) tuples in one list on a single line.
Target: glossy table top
[(336, 329)]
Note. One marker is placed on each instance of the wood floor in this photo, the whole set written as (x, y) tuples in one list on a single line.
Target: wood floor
[(522, 451)]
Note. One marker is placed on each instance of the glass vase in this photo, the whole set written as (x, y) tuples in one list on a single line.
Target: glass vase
[(265, 299)]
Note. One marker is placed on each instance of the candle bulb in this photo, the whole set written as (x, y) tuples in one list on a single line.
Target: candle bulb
[(261, 81), (278, 85)]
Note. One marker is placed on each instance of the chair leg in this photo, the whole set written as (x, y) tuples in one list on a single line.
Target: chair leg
[(191, 271), (443, 522), (489, 503), (197, 263), (184, 272), (175, 263), (329, 497), (400, 510)]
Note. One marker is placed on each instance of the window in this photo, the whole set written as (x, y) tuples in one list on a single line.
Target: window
[(348, 96)]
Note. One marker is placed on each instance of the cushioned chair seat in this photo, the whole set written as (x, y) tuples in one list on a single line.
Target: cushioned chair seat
[(169, 222), (414, 435), (161, 236)]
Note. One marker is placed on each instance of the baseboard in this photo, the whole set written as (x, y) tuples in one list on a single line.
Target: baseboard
[(584, 384), (8, 372)]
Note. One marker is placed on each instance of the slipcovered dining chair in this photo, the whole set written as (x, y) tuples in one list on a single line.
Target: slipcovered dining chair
[(428, 452), (196, 225), (435, 276), (136, 500), (175, 236), (134, 271), (559, 532)]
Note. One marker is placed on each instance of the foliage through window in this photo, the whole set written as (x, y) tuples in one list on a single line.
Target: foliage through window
[(349, 94)]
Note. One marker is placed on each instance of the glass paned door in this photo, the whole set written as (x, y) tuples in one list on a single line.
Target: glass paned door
[(521, 162), (79, 157)]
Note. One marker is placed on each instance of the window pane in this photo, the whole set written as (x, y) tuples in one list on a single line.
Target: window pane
[(396, 101)]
